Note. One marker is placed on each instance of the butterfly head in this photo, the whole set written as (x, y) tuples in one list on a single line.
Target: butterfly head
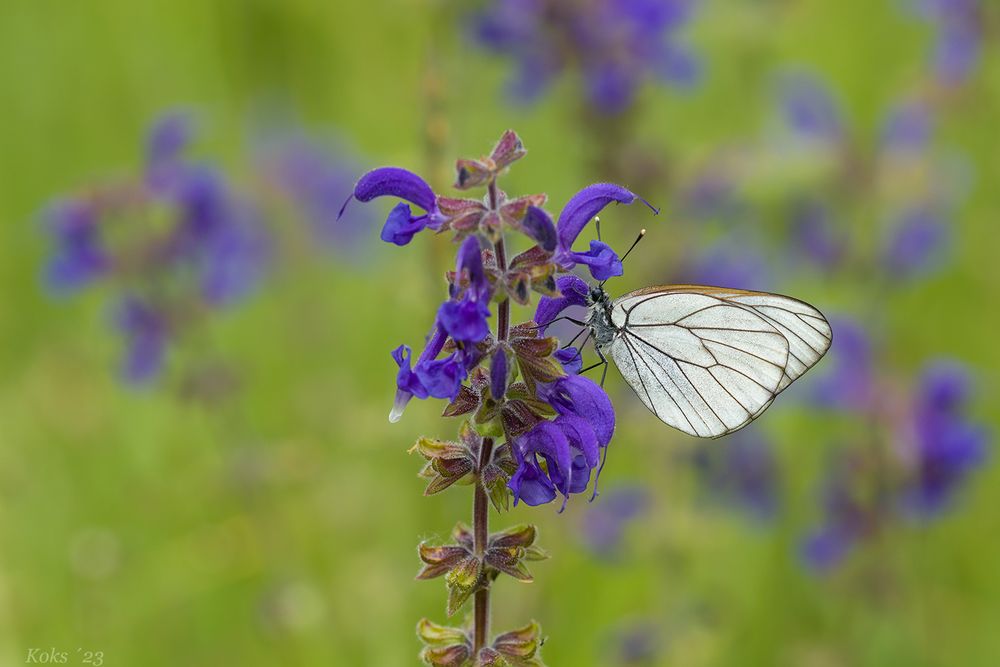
[(597, 296)]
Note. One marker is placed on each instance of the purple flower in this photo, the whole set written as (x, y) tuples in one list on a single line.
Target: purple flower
[(604, 523), (851, 514), (916, 241), (317, 179), (401, 224), (569, 445), (814, 234), (465, 315), (145, 332), (430, 376), (573, 292), (809, 109), (849, 382), (617, 45), (235, 257), (580, 210), (958, 42), (165, 144), (222, 237), (80, 256), (946, 446)]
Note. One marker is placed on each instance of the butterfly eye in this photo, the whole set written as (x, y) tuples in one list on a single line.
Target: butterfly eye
[(595, 295)]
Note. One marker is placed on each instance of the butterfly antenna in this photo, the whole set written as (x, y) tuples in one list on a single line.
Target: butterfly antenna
[(642, 232)]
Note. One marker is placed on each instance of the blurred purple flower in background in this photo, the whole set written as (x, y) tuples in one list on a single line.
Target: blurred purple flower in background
[(937, 447), (809, 109), (176, 241), (853, 509), (79, 256), (316, 177), (944, 445), (957, 46), (816, 236), (848, 382), (726, 264), (602, 527), (916, 242), (741, 471), (617, 45)]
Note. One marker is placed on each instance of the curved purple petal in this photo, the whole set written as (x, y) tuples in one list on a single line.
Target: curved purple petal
[(582, 397), (584, 205), (470, 258), (539, 227), (442, 378), (573, 292), (396, 182), (465, 320)]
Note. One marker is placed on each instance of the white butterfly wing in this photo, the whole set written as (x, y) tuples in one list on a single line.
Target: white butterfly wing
[(708, 360)]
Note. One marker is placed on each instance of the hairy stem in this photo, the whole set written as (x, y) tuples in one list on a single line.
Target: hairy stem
[(480, 503), (481, 515)]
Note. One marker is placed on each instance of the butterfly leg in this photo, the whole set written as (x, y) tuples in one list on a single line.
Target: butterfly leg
[(602, 362)]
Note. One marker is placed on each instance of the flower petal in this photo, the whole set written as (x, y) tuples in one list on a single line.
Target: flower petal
[(465, 320), (574, 293), (538, 225), (395, 182), (400, 226), (587, 203), (601, 259), (582, 397)]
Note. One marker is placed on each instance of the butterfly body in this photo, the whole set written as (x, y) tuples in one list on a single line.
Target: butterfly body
[(707, 360)]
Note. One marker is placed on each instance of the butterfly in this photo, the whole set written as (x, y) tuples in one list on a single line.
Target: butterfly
[(706, 360)]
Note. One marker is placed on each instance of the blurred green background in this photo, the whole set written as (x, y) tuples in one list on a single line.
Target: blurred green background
[(280, 529)]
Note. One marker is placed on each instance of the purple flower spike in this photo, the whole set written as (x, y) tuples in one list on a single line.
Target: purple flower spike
[(393, 181), (947, 445), (573, 292)]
